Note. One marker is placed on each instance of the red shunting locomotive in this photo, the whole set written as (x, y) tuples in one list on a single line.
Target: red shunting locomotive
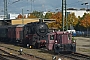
[(61, 41)]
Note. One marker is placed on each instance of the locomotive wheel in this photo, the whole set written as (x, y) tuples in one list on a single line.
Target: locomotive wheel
[(55, 52), (56, 49), (73, 47), (37, 45)]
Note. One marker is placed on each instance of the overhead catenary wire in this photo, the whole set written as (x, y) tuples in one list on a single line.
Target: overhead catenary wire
[(74, 3)]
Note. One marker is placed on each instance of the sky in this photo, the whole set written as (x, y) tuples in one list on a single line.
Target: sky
[(16, 6)]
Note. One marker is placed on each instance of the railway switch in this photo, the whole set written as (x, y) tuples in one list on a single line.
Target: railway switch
[(53, 57)]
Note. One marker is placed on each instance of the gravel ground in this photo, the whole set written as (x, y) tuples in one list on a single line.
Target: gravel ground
[(83, 46), (36, 52)]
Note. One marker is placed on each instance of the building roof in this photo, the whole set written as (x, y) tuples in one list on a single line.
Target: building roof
[(78, 12)]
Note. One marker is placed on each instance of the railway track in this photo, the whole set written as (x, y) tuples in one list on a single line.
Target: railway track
[(72, 56), (29, 56), (6, 56), (76, 56)]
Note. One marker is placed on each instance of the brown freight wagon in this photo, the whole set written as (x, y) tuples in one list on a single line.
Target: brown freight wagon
[(12, 33), (19, 31), (4, 33)]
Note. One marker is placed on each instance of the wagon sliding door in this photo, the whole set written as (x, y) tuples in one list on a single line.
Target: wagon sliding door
[(21, 35)]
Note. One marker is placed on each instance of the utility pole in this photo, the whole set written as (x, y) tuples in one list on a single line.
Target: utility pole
[(5, 9), (32, 5), (66, 16), (63, 13)]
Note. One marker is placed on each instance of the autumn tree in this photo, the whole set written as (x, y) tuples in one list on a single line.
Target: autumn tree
[(20, 16), (31, 15), (72, 20), (85, 22), (54, 25), (58, 17)]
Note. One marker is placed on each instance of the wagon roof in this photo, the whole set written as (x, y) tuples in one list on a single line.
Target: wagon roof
[(5, 26), (12, 26)]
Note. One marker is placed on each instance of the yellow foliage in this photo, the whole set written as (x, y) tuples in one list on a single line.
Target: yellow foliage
[(72, 19)]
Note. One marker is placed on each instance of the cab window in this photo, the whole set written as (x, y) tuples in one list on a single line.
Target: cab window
[(51, 37)]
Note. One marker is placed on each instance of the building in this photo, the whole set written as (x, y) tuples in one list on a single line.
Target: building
[(13, 16), (26, 20), (1, 17), (78, 12)]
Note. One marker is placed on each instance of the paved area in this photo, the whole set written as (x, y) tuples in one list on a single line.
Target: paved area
[(83, 45)]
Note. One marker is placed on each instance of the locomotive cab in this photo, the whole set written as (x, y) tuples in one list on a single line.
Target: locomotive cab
[(50, 40)]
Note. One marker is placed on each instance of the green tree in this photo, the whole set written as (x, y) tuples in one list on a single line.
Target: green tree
[(48, 15), (38, 14), (31, 15)]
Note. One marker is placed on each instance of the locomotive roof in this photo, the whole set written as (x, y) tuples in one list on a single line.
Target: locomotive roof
[(20, 25), (58, 32), (62, 32)]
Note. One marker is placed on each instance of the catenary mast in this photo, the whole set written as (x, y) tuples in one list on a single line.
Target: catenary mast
[(5, 9), (64, 13)]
